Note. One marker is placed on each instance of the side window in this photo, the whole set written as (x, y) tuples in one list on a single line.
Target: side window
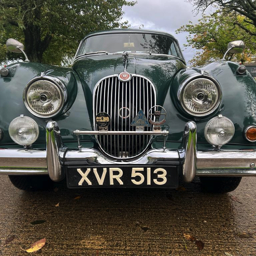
[(172, 50)]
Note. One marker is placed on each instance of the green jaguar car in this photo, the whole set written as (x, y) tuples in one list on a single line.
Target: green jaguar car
[(129, 113)]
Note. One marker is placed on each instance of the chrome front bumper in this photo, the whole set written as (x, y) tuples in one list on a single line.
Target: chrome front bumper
[(193, 162)]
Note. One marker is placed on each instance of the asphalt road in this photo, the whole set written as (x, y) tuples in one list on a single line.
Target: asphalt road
[(128, 221)]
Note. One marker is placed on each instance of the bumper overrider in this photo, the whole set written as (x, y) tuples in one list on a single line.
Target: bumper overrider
[(56, 159)]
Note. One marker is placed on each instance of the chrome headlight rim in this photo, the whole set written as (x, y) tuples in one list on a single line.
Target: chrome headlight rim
[(188, 81), (60, 86)]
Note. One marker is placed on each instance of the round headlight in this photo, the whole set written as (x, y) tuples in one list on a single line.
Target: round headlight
[(23, 130), (44, 98), (200, 97), (219, 131)]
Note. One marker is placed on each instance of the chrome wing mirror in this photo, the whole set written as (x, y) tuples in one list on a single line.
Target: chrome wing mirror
[(13, 45), (235, 47)]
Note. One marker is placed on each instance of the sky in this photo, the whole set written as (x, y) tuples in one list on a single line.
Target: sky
[(166, 16)]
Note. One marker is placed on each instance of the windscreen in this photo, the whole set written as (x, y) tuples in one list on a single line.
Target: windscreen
[(159, 44)]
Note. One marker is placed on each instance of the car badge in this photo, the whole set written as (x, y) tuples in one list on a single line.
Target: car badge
[(124, 112), (140, 121), (157, 116), (102, 121), (124, 76)]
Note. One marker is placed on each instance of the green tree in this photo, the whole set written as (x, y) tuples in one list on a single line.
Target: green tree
[(212, 34), (52, 29), (247, 8)]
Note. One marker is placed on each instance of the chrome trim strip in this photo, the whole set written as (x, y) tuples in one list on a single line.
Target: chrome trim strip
[(23, 172), (190, 140), (78, 132), (225, 173), (53, 143)]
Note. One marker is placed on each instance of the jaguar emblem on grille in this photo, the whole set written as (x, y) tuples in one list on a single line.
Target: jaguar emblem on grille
[(124, 76), (124, 112)]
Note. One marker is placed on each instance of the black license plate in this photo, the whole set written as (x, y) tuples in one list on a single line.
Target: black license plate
[(122, 176)]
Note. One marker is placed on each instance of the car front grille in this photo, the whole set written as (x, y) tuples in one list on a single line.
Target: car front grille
[(122, 101)]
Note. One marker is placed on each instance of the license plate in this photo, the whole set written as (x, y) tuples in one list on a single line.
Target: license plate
[(122, 176)]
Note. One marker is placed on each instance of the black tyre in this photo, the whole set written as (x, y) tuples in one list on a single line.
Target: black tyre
[(220, 184), (31, 182)]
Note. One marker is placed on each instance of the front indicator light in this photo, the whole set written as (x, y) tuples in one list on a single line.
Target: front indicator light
[(23, 130), (250, 133), (219, 131)]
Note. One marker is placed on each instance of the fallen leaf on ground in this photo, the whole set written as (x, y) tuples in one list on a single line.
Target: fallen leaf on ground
[(189, 237), (36, 246), (78, 197), (181, 189), (36, 222), (200, 245), (228, 254), (144, 228), (10, 239), (234, 198), (57, 205), (245, 235)]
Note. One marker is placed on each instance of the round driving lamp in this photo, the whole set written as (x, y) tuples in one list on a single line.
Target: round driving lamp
[(250, 133), (200, 97), (219, 131), (23, 130), (45, 97)]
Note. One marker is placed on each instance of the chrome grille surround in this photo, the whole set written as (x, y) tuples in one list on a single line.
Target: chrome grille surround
[(112, 96)]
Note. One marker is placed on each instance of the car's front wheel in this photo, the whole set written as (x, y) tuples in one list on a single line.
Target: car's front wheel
[(219, 184), (31, 182)]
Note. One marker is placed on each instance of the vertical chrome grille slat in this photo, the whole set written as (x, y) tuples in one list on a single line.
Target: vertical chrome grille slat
[(100, 107), (118, 118), (144, 106), (122, 121), (111, 116), (148, 106), (133, 113), (104, 106), (130, 117), (108, 111), (110, 95), (126, 127), (115, 119), (140, 95), (137, 109), (96, 104)]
